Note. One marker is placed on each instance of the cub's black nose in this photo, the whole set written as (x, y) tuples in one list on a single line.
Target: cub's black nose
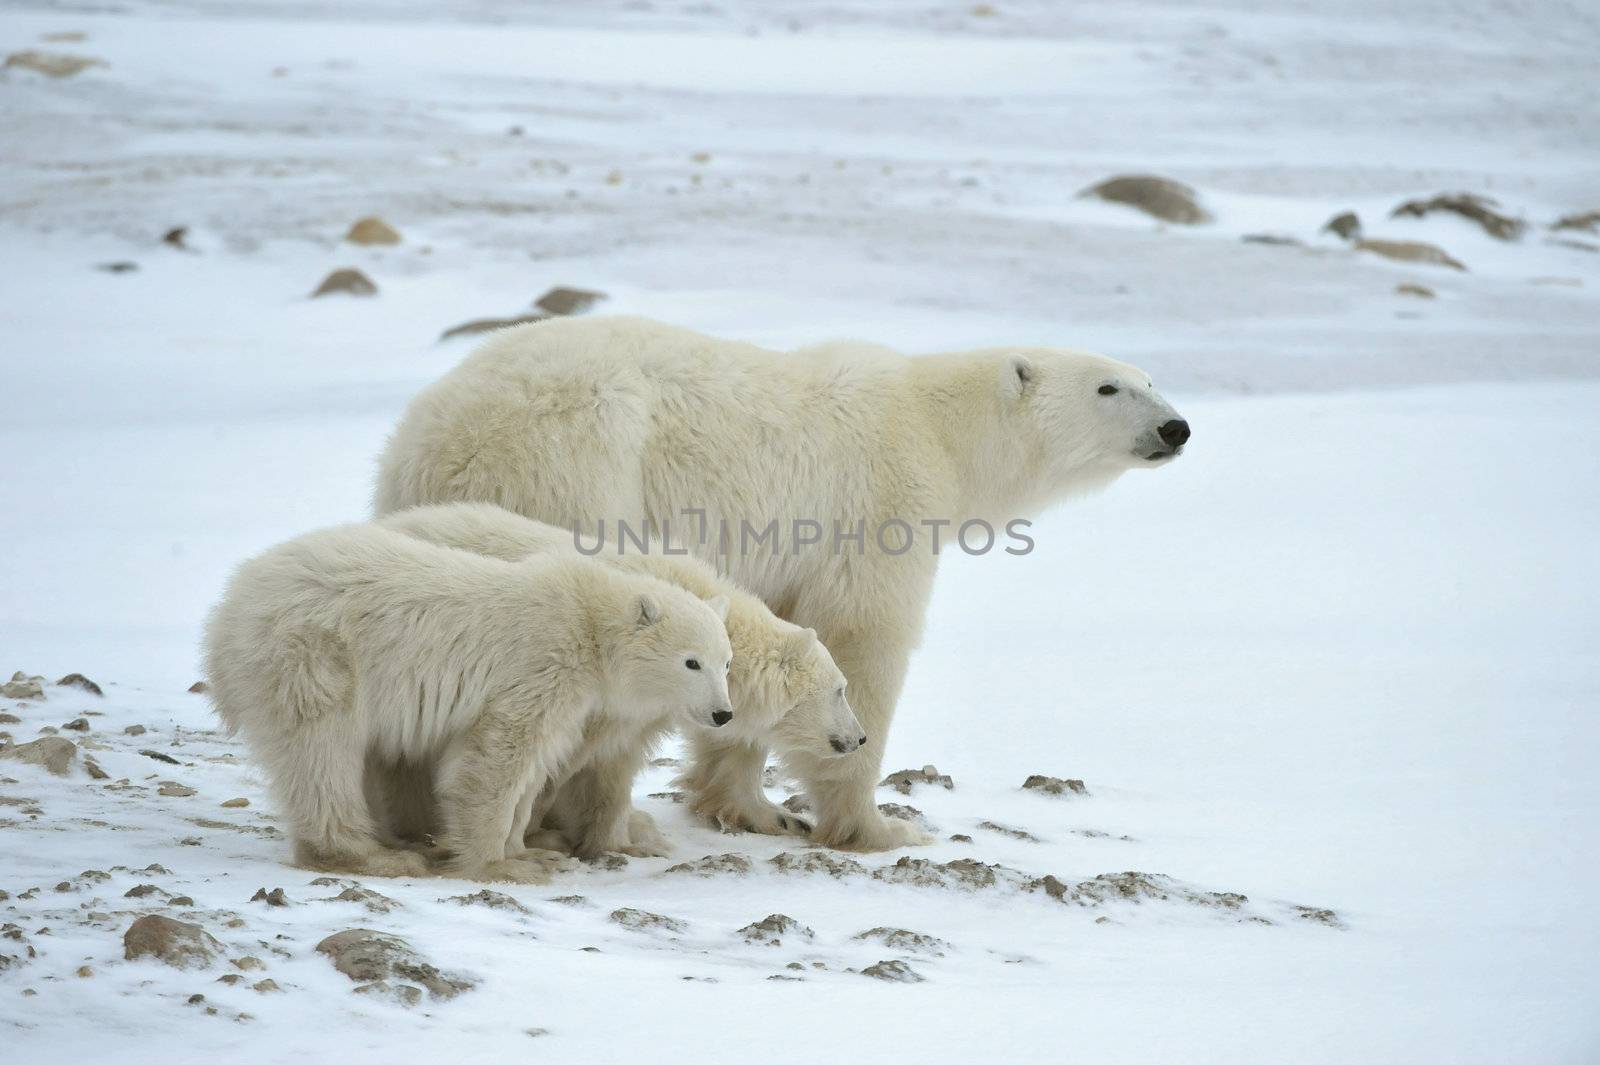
[(1175, 433), (721, 717)]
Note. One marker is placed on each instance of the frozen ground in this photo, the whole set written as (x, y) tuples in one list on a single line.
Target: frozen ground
[(1341, 656)]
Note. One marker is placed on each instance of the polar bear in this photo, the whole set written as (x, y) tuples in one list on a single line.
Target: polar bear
[(582, 421), (358, 639), (787, 694)]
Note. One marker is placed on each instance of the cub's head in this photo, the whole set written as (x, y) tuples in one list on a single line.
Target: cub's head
[(816, 718), (1082, 419), (675, 657)]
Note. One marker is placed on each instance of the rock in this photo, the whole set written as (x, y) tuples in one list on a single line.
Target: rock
[(177, 943), (965, 873), (53, 752), (121, 266), (1318, 916), (199, 687), (561, 301), (1277, 239), (139, 891), (713, 864), (92, 767), (1410, 251), (893, 971), (264, 986), (901, 812), (173, 790), (158, 756), (134, 730), (818, 862), (644, 921), (21, 687), (84, 972), (1006, 830), (368, 957), (78, 680), (372, 900), (492, 899), (372, 230), (230, 979), (1134, 887), (235, 804), (178, 237), (906, 778), (1168, 200), (180, 900), (10, 719), (249, 964), (1479, 209), (1588, 221), (1054, 785), (904, 939), (51, 64), (485, 325), (960, 837), (1346, 225), (77, 724), (1422, 292), (275, 897), (771, 928), (350, 281)]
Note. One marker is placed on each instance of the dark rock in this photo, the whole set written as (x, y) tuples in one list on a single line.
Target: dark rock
[(715, 864), (1054, 785), (1276, 239), (177, 237), (1347, 226), (485, 325), (894, 971), (121, 266), (1479, 209), (199, 687), (562, 301), (773, 927), (905, 779), (177, 943), (1006, 830), (78, 724), (78, 680), (158, 756), (347, 280), (275, 897), (1422, 292), (492, 899), (134, 730), (1168, 200), (644, 921), (369, 957), (1588, 221)]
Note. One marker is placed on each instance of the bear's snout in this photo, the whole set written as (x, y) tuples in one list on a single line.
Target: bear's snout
[(721, 717), (1175, 433), (845, 746)]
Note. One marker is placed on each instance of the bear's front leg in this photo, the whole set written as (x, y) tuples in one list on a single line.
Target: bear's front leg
[(843, 790), (724, 786)]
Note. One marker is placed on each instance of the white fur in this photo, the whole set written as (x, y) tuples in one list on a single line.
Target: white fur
[(358, 643), (787, 694), (578, 420)]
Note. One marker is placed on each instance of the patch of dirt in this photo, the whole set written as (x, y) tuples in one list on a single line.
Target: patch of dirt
[(715, 865), (906, 940), (818, 862), (51, 64), (893, 971), (968, 874), (905, 779), (644, 921), (492, 899), (1006, 830)]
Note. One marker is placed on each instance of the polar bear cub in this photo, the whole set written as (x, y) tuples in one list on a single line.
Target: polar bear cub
[(359, 640), (787, 694)]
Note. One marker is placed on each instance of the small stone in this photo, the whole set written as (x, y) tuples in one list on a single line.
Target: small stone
[(536, 1032), (1168, 200), (10, 719), (20, 687), (180, 900), (230, 979), (78, 680), (1273, 239), (173, 790), (92, 767), (1410, 251), (1588, 221), (275, 897), (1346, 225), (177, 236), (121, 266), (347, 280), (1479, 209), (960, 837), (199, 687), (773, 927), (1054, 785), (51, 64), (265, 986), (644, 921), (905, 940), (1007, 830), (177, 943), (139, 891), (235, 804), (196, 999), (492, 899), (77, 724), (134, 730), (562, 301), (65, 885), (894, 971), (1421, 292), (372, 230), (369, 957), (84, 972), (53, 752), (715, 864), (158, 756), (905, 779)]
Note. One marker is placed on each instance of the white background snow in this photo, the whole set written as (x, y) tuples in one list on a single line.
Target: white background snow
[(1342, 654)]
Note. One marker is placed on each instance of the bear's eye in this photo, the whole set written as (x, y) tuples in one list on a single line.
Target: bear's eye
[(1108, 390), (693, 663)]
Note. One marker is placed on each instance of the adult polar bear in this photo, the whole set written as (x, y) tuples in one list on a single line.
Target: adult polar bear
[(575, 421)]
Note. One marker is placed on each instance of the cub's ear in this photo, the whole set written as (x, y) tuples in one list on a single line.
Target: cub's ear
[(646, 611), (800, 642), (1016, 376), (719, 606)]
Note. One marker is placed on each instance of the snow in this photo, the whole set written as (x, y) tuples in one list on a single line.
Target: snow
[(1341, 655)]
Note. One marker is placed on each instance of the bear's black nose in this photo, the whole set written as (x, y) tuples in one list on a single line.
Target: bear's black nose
[(1175, 433), (721, 717)]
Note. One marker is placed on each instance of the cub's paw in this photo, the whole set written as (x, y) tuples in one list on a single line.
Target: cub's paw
[(873, 834), (389, 863), (510, 871), (767, 819)]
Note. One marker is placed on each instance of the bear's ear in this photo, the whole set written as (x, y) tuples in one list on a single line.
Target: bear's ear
[(646, 611), (800, 641), (719, 606), (1016, 376)]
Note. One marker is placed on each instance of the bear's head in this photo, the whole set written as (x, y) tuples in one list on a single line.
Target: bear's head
[(793, 697), (674, 657), (1080, 419)]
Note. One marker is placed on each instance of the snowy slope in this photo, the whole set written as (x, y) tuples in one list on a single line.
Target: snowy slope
[(1341, 656)]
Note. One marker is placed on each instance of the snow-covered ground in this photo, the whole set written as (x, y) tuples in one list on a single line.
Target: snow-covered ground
[(1340, 656)]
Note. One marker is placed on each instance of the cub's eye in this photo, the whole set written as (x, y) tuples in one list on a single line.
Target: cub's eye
[(1108, 390), (693, 663)]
